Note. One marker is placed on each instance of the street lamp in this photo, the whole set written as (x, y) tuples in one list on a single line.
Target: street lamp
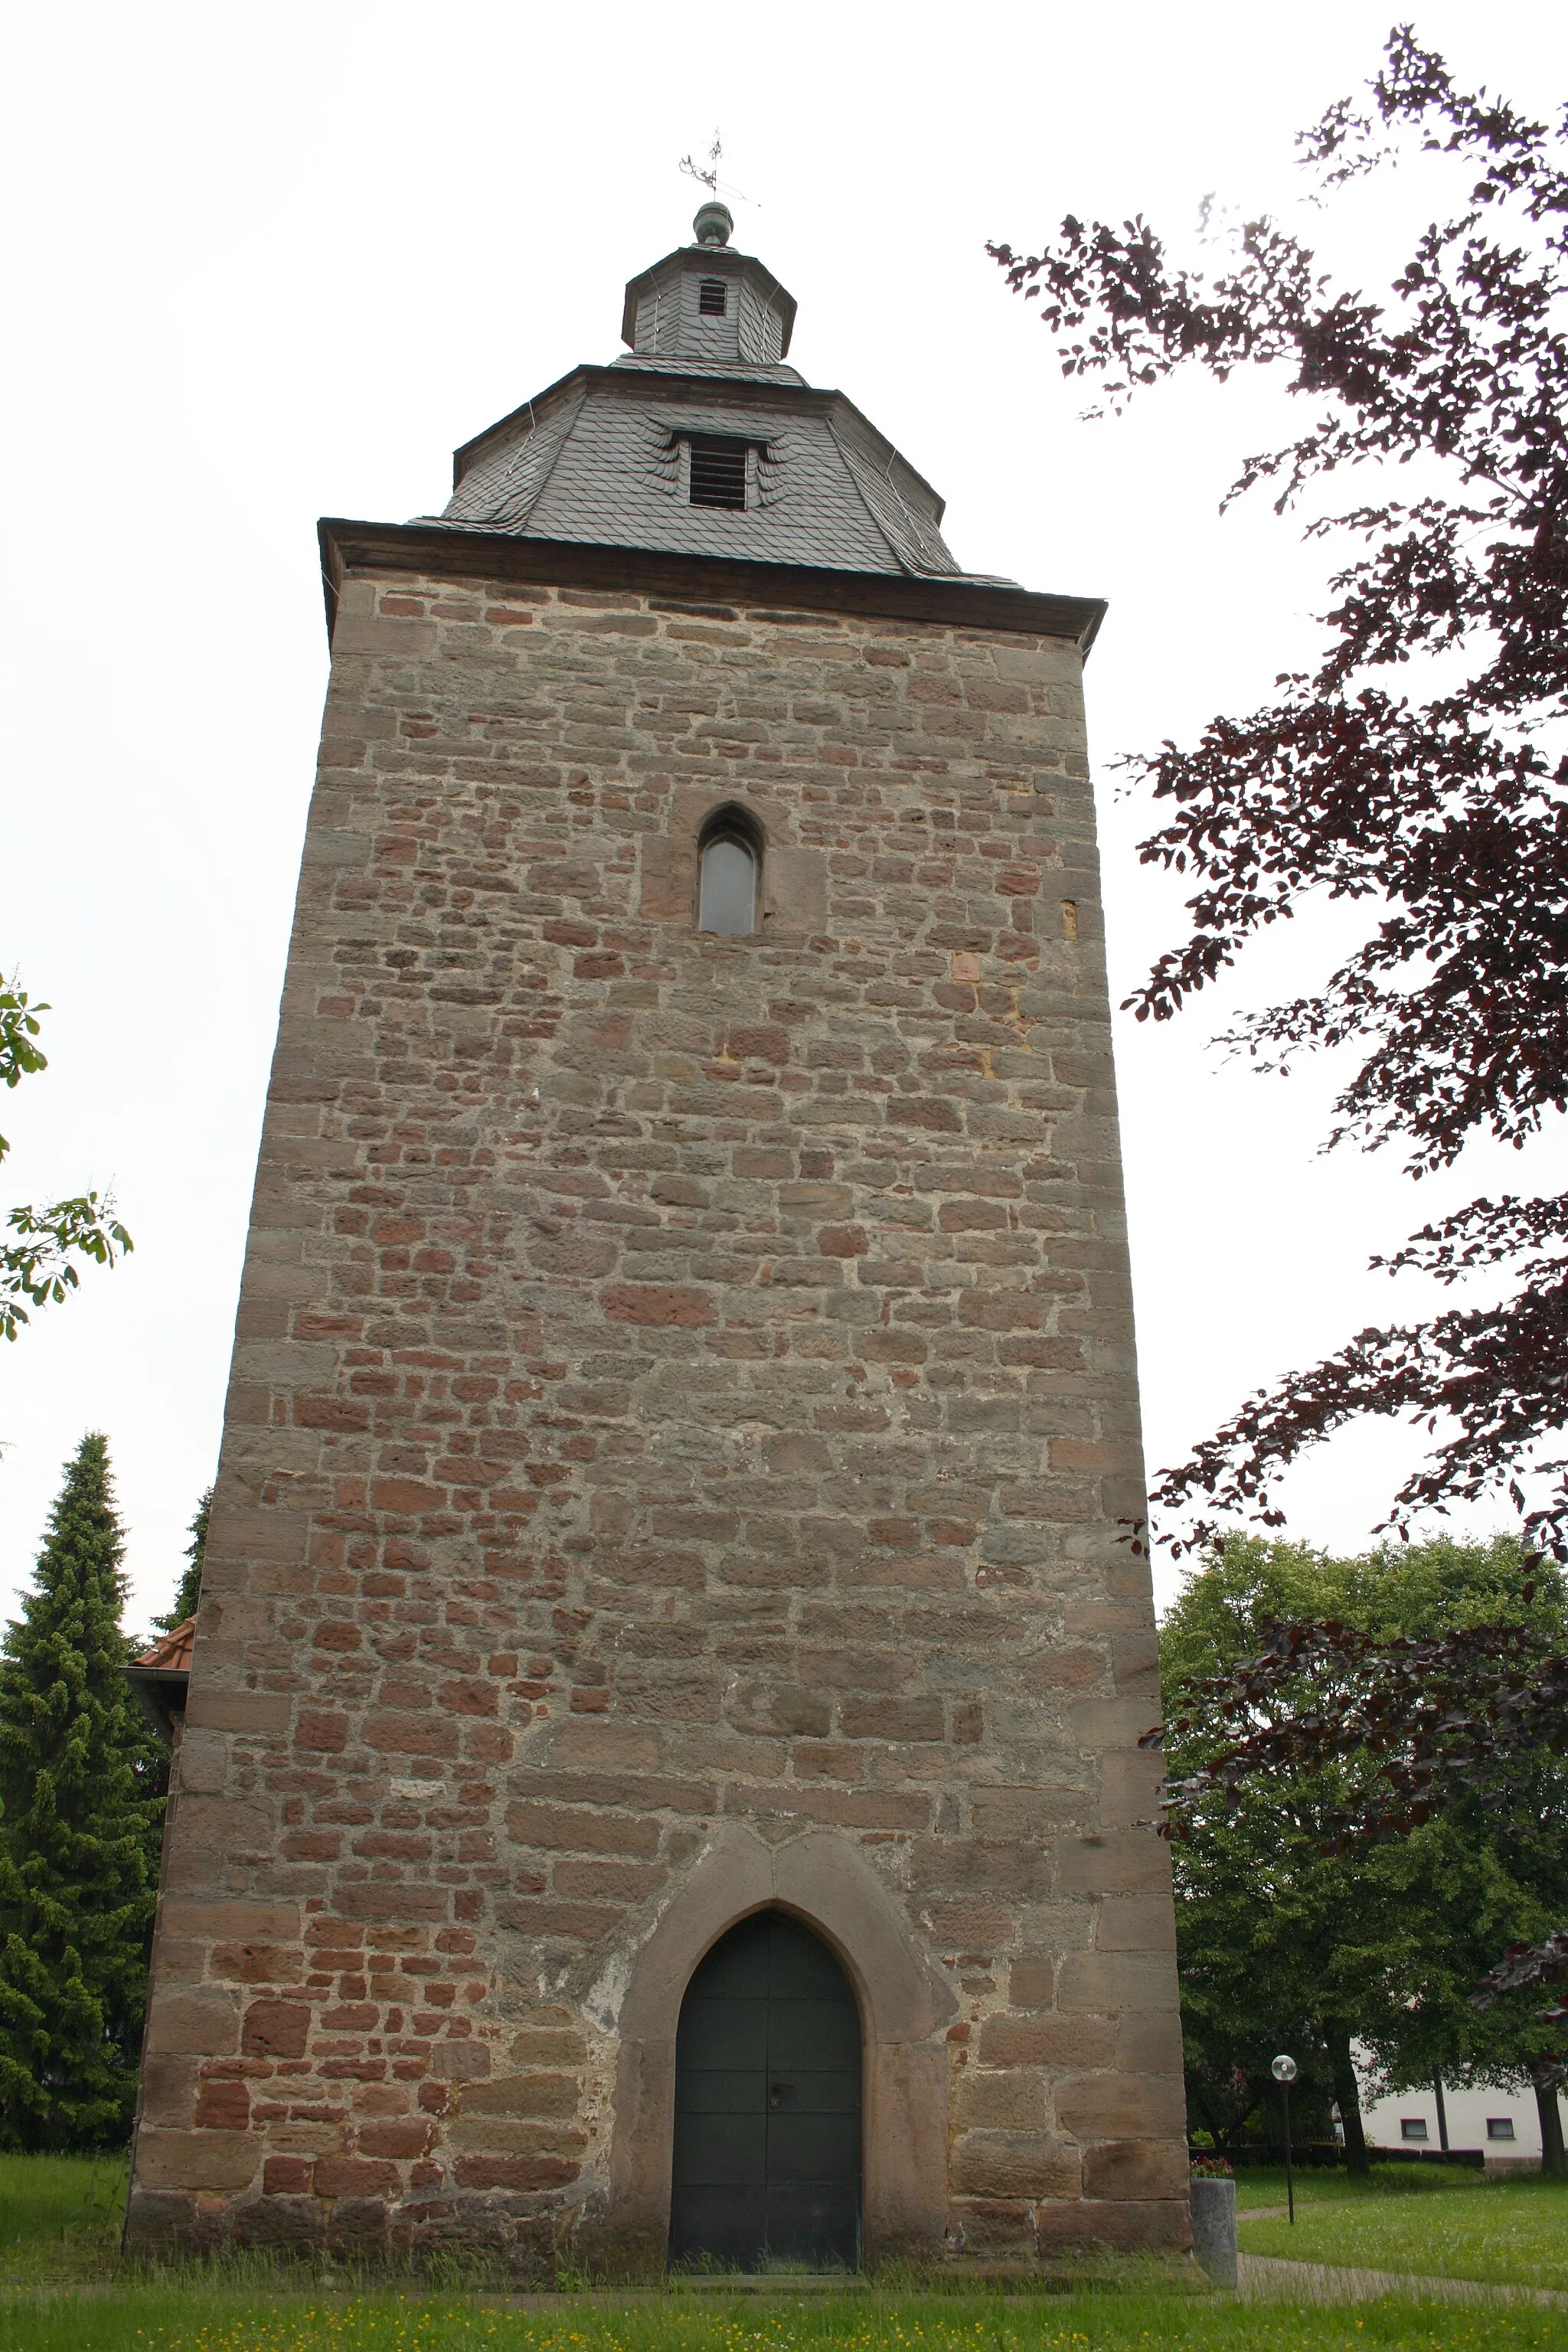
[(1285, 2070)]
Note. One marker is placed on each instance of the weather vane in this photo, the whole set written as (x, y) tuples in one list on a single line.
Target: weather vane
[(707, 175)]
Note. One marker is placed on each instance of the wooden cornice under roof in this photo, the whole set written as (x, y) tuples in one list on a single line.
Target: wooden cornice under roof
[(161, 1676)]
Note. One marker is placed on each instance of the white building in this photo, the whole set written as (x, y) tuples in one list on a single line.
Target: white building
[(1504, 2125)]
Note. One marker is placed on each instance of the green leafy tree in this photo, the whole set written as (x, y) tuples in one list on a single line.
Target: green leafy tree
[(1256, 1950), (37, 1261), (1528, 1969), (189, 1592), (1290, 1928), (1280, 1946), (79, 1837)]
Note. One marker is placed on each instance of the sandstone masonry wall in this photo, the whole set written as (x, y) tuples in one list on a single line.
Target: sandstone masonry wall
[(679, 1381)]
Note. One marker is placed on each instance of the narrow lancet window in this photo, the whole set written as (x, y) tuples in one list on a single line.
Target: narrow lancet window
[(727, 900)]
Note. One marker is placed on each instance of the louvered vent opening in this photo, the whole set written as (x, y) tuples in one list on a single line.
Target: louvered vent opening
[(712, 298), (718, 471)]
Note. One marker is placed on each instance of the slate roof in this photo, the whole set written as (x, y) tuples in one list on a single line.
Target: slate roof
[(600, 456)]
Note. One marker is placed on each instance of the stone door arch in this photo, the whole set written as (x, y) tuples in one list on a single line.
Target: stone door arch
[(822, 1880)]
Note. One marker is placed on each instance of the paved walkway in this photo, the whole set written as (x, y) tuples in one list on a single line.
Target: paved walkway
[(1265, 2278)]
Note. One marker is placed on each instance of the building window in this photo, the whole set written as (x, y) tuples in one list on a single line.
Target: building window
[(712, 298), (727, 894), (718, 471), (1412, 2127), (1499, 2126)]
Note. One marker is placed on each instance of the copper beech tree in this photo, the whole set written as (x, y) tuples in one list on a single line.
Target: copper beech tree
[(1449, 814)]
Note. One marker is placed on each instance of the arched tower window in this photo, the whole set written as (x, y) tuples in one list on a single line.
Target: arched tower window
[(730, 868)]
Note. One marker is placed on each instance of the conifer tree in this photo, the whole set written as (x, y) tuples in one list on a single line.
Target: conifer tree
[(190, 1586), (78, 1838)]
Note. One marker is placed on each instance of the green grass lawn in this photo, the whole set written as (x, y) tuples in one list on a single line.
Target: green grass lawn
[(152, 2320), (1264, 2185), (1429, 2220), (62, 2290), (59, 2216)]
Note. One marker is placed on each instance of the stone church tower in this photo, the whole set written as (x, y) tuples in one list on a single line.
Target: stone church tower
[(659, 1774)]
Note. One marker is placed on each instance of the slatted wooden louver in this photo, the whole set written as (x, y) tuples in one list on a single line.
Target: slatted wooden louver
[(712, 298), (718, 471)]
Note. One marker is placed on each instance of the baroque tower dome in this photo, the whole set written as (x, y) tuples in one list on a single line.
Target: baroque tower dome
[(699, 439)]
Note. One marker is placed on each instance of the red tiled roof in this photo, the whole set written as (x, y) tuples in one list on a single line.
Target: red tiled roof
[(172, 1654)]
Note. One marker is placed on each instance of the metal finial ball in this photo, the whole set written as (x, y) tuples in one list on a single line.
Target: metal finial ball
[(713, 222)]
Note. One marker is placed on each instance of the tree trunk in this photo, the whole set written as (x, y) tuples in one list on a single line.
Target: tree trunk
[(1552, 2159), (1442, 2110), (1347, 2092), (1195, 2099)]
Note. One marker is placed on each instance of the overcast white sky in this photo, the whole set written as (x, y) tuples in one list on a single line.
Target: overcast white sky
[(268, 265)]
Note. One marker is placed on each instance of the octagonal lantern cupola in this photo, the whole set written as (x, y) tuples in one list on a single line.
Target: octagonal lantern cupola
[(702, 438), (705, 302)]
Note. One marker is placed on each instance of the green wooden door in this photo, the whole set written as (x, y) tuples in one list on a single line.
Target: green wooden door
[(767, 2105)]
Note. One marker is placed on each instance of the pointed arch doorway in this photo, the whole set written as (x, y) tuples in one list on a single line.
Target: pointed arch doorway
[(768, 2104)]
